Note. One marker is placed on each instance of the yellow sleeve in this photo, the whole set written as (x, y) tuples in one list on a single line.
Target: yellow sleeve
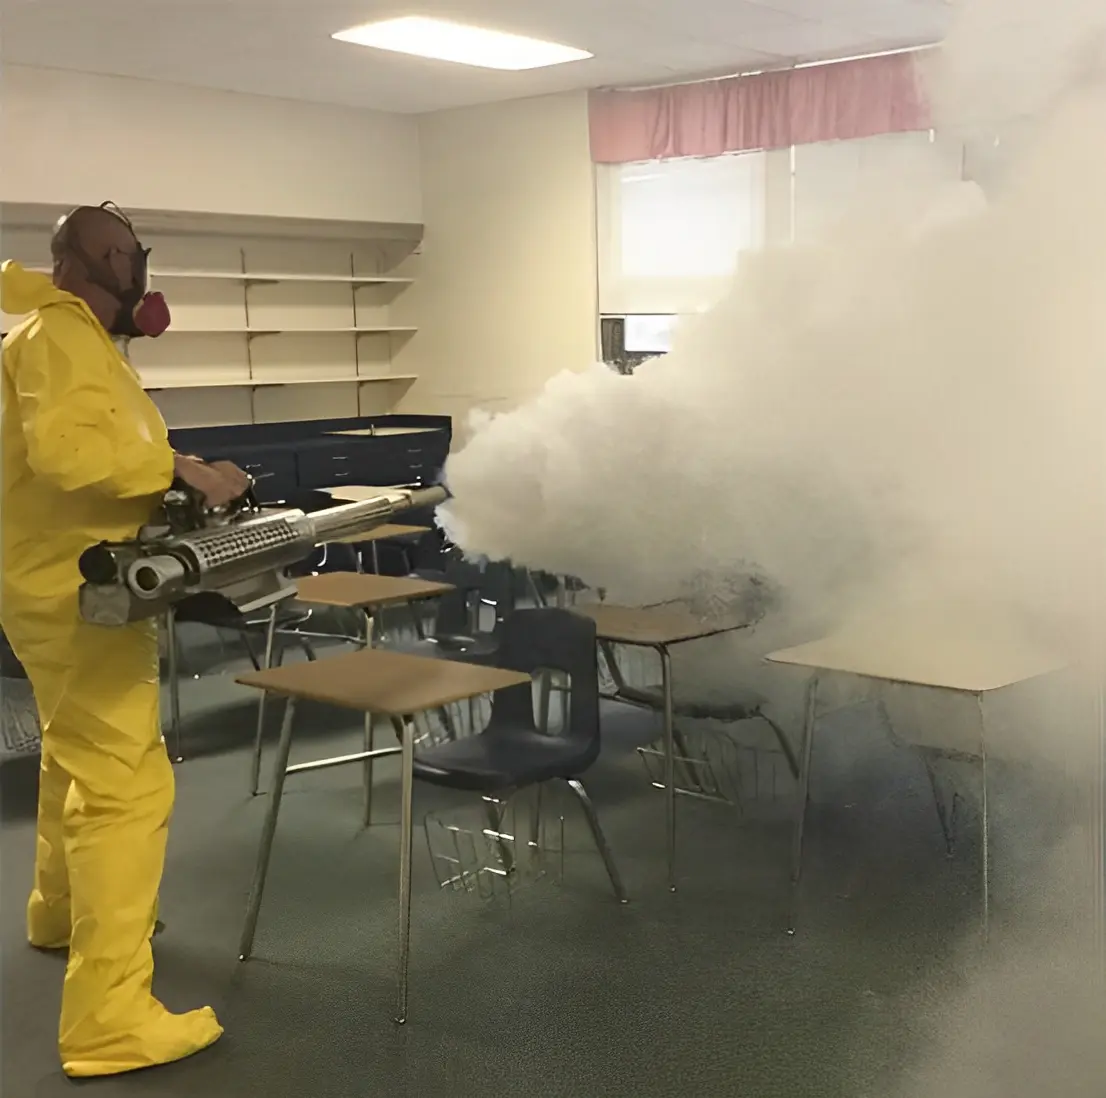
[(77, 434)]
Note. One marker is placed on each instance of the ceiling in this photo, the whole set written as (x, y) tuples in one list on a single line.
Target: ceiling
[(283, 47)]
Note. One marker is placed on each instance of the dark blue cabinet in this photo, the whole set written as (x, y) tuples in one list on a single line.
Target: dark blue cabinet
[(300, 456)]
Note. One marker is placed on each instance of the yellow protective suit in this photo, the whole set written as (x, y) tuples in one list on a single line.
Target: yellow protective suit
[(85, 455)]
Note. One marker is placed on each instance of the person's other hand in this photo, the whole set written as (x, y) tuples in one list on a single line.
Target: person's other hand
[(219, 483)]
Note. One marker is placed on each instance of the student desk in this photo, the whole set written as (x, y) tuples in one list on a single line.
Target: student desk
[(346, 591), (660, 628), (374, 682), (964, 652)]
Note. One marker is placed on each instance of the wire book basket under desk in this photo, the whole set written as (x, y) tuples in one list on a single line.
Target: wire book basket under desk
[(492, 851), (660, 628)]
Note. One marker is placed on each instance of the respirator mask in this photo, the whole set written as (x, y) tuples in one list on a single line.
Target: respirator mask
[(142, 312)]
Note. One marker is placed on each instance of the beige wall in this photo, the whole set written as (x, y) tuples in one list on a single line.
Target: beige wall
[(69, 137), (506, 293)]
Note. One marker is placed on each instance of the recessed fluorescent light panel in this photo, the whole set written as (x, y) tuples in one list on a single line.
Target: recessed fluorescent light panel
[(441, 40)]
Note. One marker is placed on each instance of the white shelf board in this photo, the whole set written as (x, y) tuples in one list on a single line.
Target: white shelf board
[(26, 215), (360, 329), (269, 277), (259, 383), (266, 277)]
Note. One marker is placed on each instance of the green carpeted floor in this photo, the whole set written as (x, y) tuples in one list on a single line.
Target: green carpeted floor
[(559, 993)]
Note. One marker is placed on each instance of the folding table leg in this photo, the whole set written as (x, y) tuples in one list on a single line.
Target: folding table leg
[(986, 823), (405, 733), (280, 772), (669, 763), (370, 735), (174, 682), (799, 826), (270, 636), (370, 744)]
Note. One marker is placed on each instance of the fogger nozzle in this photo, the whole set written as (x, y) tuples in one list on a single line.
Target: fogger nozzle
[(242, 560)]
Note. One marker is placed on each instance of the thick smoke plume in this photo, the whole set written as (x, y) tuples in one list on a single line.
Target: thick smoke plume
[(914, 404), (911, 411)]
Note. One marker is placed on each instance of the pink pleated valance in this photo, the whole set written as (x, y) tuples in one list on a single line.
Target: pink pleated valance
[(851, 99)]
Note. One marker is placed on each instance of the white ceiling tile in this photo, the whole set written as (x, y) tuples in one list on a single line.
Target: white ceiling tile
[(808, 40), (283, 47)]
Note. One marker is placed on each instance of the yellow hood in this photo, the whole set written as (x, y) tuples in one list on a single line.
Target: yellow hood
[(22, 291)]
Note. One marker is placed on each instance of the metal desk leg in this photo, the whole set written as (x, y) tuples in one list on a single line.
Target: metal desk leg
[(375, 550), (370, 745), (545, 688), (407, 741), (799, 826), (270, 635), (669, 763), (280, 772), (370, 738), (986, 823), (174, 683)]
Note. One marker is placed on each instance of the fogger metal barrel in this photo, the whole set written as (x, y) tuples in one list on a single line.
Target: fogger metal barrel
[(244, 560)]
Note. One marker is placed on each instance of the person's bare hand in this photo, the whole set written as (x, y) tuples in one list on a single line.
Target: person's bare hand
[(219, 483), (238, 479)]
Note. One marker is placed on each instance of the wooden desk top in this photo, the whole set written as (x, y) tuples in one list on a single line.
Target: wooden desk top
[(382, 533), (969, 653), (375, 680), (355, 493), (652, 626), (352, 589)]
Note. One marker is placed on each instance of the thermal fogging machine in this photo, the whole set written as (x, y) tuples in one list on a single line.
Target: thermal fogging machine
[(241, 552)]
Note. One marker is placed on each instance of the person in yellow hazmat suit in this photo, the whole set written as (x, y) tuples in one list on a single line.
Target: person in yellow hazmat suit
[(85, 458)]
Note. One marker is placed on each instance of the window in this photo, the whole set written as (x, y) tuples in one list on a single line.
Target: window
[(648, 335), (628, 341), (833, 179), (672, 232)]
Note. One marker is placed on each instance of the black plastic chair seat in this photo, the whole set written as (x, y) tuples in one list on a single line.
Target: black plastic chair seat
[(214, 610), (463, 649), (741, 708), (431, 575), (504, 759)]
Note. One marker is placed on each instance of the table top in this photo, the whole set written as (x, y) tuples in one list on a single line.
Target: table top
[(382, 533), (653, 626), (971, 654), (355, 589), (355, 493), (375, 680)]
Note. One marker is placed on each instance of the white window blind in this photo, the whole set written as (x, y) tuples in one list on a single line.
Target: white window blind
[(833, 179), (672, 232)]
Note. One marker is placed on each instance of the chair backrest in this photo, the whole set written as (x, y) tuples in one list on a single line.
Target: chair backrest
[(498, 587), (550, 640), (494, 583), (432, 553)]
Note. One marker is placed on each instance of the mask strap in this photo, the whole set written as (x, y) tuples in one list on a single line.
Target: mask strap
[(95, 268), (95, 272)]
